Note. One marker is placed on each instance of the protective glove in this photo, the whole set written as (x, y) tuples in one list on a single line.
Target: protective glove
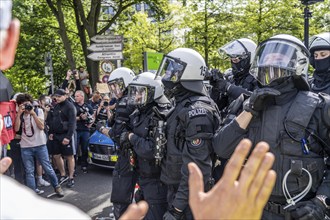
[(100, 125), (173, 214), (124, 140), (256, 102), (313, 209)]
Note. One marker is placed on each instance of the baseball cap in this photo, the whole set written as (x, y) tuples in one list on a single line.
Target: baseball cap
[(60, 92), (5, 14)]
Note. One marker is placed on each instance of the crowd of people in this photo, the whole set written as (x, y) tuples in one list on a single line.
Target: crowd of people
[(256, 145)]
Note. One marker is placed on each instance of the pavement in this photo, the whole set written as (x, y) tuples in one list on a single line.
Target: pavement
[(91, 192)]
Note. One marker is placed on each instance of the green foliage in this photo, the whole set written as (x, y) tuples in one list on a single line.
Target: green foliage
[(199, 24)]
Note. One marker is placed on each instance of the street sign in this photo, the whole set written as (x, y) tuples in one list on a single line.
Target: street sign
[(107, 38), (106, 47), (97, 56)]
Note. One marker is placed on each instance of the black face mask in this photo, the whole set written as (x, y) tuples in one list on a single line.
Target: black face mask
[(322, 65), (240, 67)]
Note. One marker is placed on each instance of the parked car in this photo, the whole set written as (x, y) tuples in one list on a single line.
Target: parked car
[(102, 151)]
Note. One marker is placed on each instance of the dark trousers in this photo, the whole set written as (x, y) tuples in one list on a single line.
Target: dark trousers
[(15, 154), (155, 194), (123, 185), (82, 140), (171, 191)]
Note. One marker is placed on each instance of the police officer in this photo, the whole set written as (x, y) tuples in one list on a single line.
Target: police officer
[(295, 123), (189, 127), (148, 139), (319, 47), (124, 175), (226, 89)]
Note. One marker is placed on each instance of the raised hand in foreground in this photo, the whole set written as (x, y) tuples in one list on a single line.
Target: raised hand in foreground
[(243, 190)]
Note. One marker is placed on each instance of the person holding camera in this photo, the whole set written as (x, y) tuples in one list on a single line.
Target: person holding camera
[(33, 142), (85, 120), (71, 80), (104, 111)]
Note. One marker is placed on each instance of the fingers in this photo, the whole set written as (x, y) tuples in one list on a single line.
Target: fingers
[(251, 167), (5, 164), (136, 211), (196, 184), (261, 174), (266, 189), (234, 165)]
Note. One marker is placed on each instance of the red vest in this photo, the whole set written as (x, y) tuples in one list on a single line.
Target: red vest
[(8, 112)]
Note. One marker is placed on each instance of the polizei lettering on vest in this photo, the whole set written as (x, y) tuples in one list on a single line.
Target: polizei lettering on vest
[(196, 112)]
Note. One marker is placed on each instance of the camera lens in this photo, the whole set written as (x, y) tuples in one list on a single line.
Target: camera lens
[(28, 107), (105, 103)]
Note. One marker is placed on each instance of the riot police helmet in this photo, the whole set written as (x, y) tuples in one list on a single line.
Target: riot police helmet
[(241, 53), (319, 47), (281, 56), (119, 80), (186, 67), (145, 89)]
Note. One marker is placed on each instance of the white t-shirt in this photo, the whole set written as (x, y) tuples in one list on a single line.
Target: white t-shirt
[(20, 202), (32, 136)]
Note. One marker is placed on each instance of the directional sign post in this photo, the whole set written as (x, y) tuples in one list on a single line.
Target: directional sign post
[(106, 47), (97, 56), (107, 38)]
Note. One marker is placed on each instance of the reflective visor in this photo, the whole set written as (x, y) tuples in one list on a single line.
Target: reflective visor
[(171, 69), (116, 86), (139, 94), (267, 74)]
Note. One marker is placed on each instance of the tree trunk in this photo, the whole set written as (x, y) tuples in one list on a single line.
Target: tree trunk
[(58, 13)]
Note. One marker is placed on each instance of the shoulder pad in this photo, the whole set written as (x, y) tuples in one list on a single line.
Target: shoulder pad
[(325, 108)]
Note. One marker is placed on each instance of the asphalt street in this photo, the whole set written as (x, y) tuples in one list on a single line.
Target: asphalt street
[(91, 192)]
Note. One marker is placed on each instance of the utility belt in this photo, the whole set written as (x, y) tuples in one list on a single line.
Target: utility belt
[(275, 208)]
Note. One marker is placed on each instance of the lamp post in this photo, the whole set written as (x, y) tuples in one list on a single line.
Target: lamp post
[(307, 15)]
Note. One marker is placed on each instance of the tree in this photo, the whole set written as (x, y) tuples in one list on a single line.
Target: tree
[(88, 24)]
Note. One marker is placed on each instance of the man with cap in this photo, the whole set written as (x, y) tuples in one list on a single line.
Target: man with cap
[(62, 124)]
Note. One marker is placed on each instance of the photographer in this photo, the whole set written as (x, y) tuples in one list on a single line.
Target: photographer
[(85, 120), (104, 111), (33, 142)]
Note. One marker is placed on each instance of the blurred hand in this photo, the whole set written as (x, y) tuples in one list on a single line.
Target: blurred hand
[(135, 211), (242, 191), (5, 164), (65, 141)]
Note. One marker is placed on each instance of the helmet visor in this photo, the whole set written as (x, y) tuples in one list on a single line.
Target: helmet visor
[(139, 94), (171, 69), (276, 59), (116, 86)]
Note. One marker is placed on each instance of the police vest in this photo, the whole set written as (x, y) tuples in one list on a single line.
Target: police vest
[(288, 134), (177, 133)]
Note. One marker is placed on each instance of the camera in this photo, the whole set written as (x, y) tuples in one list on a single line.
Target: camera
[(28, 107), (89, 118), (105, 103)]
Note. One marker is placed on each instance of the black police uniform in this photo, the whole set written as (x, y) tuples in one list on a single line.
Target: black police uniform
[(189, 129), (145, 122), (240, 83), (124, 175), (289, 123)]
